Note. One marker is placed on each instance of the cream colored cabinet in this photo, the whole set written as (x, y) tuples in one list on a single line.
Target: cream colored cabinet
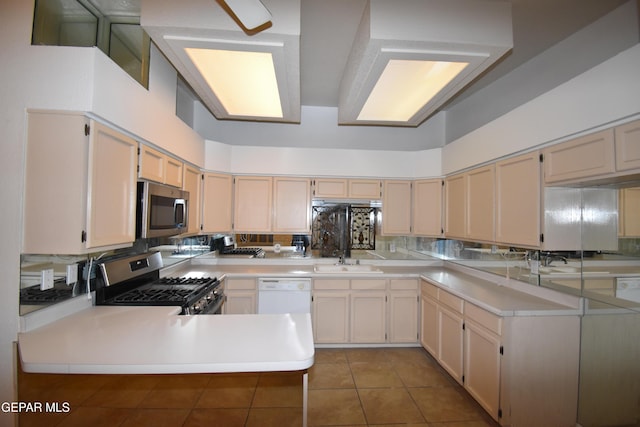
[(451, 334), (396, 208), (455, 206), (584, 157), (159, 167), (518, 200), (403, 311), (346, 188), (482, 357), (217, 203), (253, 204), (628, 146), (427, 208), (241, 296), (368, 311), (429, 317), (84, 207), (629, 212), (292, 205), (480, 204), (192, 182), (330, 311)]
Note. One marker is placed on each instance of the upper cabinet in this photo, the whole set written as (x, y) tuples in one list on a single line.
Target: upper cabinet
[(253, 204), (346, 188), (396, 208), (292, 200), (217, 203), (601, 156), (455, 190), (427, 207), (629, 212), (159, 167), (517, 195), (84, 207), (192, 182)]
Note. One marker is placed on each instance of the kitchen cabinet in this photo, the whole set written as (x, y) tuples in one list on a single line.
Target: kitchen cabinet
[(455, 206), (480, 193), (330, 306), (403, 311), (368, 311), (346, 188), (80, 185), (627, 138), (253, 204), (584, 157), (450, 334), (629, 212), (517, 206), (429, 320), (159, 167), (192, 182), (217, 203), (427, 208), (292, 205), (241, 296), (396, 208)]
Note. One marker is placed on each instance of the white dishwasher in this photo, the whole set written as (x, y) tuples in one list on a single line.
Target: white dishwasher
[(284, 295)]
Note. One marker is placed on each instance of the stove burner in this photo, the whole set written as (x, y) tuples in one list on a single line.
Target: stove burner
[(255, 252), (34, 296)]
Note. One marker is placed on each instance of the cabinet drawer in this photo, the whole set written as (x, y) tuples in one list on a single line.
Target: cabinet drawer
[(342, 284), (238, 284), (430, 290), (451, 301), (369, 284), (484, 318), (404, 284)]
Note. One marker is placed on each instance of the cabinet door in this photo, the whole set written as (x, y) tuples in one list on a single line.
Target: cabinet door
[(429, 324), (482, 366), (192, 182), (628, 146), (364, 188), (330, 187), (253, 204), (368, 317), (240, 302), (588, 156), (111, 206), (396, 208), (330, 317), (152, 164), (427, 207), (450, 342), (292, 205), (217, 203), (403, 316), (518, 200), (629, 215), (480, 203), (173, 172), (455, 206)]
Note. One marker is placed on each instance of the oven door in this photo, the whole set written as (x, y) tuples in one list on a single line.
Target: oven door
[(214, 308), (161, 211)]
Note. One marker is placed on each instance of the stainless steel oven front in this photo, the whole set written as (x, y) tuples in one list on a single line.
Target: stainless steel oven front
[(161, 210)]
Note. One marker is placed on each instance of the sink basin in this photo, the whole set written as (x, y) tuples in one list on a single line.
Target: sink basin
[(568, 270), (347, 268)]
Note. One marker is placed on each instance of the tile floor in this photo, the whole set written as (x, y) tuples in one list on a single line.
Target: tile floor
[(347, 387)]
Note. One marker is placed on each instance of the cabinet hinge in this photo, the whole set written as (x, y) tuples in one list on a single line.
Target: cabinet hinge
[(502, 350), (202, 177), (499, 412), (87, 130), (463, 327), (138, 168), (463, 379), (541, 157), (83, 236), (443, 182), (541, 237), (138, 151)]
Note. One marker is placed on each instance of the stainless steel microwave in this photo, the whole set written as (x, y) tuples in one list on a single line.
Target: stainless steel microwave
[(161, 210)]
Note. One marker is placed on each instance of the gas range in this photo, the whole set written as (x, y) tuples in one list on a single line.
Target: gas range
[(135, 280), (226, 247)]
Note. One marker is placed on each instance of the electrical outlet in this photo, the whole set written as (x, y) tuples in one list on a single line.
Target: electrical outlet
[(46, 279), (72, 273)]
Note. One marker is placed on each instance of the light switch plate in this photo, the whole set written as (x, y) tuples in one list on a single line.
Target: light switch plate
[(72, 273), (46, 279)]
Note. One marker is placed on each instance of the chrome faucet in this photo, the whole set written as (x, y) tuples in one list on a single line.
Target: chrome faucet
[(549, 258)]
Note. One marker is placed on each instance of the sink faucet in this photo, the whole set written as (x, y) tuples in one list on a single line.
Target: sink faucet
[(549, 258)]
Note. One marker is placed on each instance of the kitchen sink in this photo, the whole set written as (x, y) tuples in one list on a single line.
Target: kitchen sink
[(346, 268), (568, 270)]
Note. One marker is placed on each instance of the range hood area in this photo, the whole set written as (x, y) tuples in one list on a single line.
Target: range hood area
[(400, 49)]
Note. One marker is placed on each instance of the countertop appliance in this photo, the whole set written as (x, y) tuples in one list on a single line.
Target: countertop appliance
[(161, 210), (284, 295), (135, 280), (226, 246)]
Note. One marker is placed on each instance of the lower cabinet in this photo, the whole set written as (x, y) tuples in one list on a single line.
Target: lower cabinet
[(241, 296), (505, 363), (365, 311)]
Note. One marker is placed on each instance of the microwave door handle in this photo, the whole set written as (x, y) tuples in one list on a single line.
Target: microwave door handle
[(179, 209)]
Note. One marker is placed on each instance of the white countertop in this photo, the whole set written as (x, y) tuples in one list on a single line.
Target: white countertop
[(144, 340)]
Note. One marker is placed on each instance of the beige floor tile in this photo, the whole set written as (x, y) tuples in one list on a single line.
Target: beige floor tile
[(229, 391), (335, 407), (157, 418), (95, 417), (330, 375), (439, 404), (389, 405), (330, 355), (217, 418), (375, 375), (366, 355), (123, 391), (415, 374), (279, 389), (274, 417)]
